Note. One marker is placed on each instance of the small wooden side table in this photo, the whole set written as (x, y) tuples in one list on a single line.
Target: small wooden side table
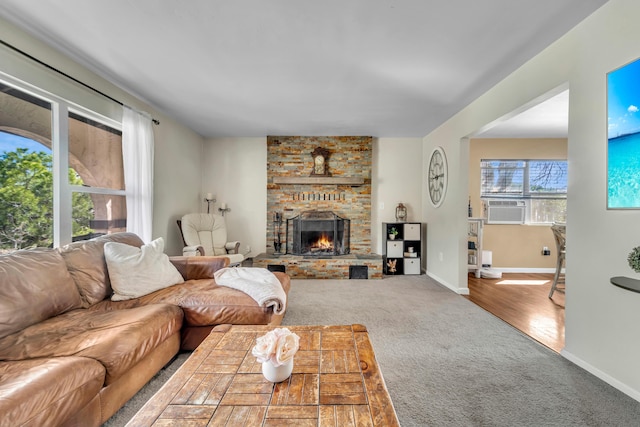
[(336, 381)]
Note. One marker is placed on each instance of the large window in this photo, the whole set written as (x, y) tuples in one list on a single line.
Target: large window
[(541, 183), (61, 172)]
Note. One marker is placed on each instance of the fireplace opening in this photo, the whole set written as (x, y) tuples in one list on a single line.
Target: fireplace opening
[(318, 233)]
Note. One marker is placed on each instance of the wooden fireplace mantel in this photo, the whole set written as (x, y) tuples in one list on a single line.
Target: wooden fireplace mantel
[(318, 180)]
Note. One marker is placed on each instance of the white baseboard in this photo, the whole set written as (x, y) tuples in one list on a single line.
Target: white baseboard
[(461, 291), (631, 392)]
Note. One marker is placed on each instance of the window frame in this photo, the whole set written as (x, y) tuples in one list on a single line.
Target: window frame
[(62, 189), (525, 194)]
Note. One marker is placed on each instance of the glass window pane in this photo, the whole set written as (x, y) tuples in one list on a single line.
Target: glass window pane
[(504, 178), (548, 210), (547, 177), (95, 153), (97, 214), (26, 180)]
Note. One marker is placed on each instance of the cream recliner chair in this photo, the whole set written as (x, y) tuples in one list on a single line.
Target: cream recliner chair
[(206, 234)]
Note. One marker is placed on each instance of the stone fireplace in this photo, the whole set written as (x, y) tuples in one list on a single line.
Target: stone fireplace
[(298, 189)]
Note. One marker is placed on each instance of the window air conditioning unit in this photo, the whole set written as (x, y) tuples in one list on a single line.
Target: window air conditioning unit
[(505, 211)]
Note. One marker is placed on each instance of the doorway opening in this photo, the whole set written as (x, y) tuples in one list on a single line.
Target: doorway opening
[(525, 255)]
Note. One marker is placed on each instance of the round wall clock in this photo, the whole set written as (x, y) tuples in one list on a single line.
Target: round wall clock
[(437, 178)]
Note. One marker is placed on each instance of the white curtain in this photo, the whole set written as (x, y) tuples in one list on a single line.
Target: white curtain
[(137, 153)]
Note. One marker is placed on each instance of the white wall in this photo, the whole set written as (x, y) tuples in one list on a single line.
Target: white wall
[(178, 170), (601, 320), (177, 149), (396, 177), (235, 170)]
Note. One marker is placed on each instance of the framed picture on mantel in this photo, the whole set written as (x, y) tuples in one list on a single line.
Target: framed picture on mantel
[(623, 139)]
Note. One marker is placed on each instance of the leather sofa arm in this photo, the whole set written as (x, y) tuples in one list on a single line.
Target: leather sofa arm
[(193, 251), (198, 267), (232, 247)]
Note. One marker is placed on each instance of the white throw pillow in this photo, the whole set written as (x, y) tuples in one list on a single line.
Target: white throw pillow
[(135, 272)]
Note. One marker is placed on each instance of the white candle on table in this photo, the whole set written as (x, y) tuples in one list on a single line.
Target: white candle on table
[(224, 205), (209, 196)]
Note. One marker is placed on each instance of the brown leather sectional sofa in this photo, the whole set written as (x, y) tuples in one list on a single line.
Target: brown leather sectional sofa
[(69, 356)]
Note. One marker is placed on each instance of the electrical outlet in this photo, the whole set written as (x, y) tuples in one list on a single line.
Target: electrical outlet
[(440, 256), (382, 206), (248, 250)]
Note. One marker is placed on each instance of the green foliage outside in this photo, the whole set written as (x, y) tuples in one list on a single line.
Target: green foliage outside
[(26, 201)]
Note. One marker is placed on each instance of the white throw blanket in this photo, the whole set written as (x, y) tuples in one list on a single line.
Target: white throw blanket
[(259, 283)]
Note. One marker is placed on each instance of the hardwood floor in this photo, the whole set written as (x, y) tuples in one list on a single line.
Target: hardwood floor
[(522, 300)]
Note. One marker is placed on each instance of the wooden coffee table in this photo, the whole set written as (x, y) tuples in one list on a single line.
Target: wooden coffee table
[(336, 381)]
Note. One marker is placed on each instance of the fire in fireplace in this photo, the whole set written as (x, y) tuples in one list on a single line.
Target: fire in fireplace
[(317, 233)]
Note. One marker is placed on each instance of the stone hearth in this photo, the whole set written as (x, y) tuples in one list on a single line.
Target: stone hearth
[(313, 267)]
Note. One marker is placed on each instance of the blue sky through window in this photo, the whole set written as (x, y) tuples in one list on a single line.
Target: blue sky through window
[(548, 176), (9, 142)]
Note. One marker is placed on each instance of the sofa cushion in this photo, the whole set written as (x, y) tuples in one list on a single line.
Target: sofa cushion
[(116, 338), (198, 267), (135, 272), (211, 304), (88, 267), (47, 391), (205, 303), (35, 286)]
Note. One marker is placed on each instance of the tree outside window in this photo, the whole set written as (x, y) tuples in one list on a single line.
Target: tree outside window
[(26, 201)]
